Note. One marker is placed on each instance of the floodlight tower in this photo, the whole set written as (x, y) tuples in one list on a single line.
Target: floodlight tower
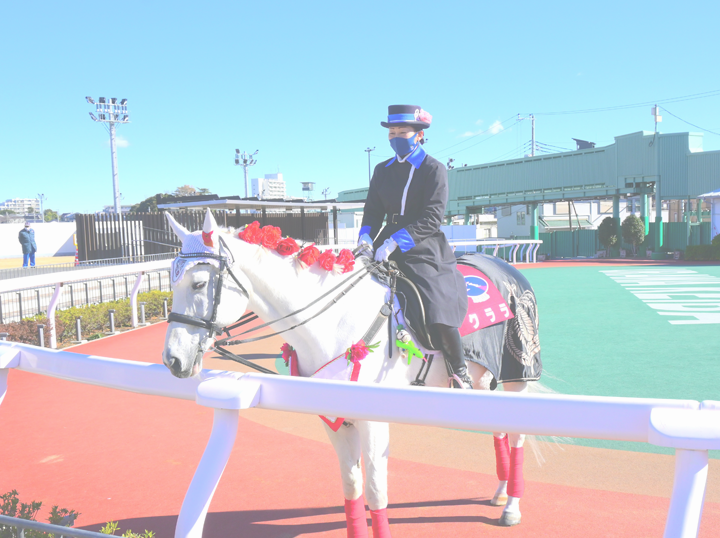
[(245, 160), (110, 111)]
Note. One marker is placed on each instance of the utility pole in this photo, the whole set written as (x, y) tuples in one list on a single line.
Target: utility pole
[(245, 160), (109, 111), (531, 117), (325, 193), (368, 150), (42, 199)]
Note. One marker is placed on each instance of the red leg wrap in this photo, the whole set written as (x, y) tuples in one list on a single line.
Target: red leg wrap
[(355, 517), (380, 526), (502, 457), (516, 483)]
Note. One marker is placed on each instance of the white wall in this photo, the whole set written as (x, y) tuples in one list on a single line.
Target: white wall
[(52, 238)]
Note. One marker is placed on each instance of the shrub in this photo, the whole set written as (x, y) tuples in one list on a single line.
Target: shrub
[(95, 319), (703, 252), (716, 240), (11, 506), (112, 526), (633, 231), (606, 233), (26, 331)]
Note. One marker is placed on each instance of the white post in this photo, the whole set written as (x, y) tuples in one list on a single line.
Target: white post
[(133, 298), (688, 495), (51, 314), (207, 475)]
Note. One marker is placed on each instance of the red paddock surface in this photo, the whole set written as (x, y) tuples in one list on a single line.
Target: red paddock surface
[(113, 455)]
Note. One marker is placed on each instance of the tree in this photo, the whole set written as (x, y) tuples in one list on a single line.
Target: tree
[(149, 204), (606, 233), (633, 231), (185, 190), (50, 215)]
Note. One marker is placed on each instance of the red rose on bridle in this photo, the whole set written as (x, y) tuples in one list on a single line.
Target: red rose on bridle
[(252, 233), (327, 260), (287, 246), (270, 236), (309, 255), (346, 259)]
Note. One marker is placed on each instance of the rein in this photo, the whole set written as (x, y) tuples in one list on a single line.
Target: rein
[(210, 324)]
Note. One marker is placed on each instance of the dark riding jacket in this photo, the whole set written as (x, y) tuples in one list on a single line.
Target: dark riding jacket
[(411, 197), (27, 240)]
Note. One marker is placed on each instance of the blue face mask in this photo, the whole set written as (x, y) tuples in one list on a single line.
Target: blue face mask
[(403, 146)]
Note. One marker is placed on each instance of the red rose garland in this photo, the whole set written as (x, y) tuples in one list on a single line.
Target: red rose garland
[(270, 237)]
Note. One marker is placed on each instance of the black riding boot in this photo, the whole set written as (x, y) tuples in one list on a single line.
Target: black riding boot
[(448, 340)]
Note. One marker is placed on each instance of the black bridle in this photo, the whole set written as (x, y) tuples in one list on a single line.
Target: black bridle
[(214, 329), (209, 324)]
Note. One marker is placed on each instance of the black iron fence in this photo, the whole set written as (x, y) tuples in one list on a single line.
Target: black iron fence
[(101, 236), (19, 304)]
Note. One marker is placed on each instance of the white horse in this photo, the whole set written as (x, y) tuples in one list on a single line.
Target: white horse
[(274, 286)]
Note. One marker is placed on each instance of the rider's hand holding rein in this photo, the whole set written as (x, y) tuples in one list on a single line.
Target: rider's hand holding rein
[(387, 248)]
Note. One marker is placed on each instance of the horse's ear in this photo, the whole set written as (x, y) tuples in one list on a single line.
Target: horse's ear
[(210, 225), (209, 231), (178, 228)]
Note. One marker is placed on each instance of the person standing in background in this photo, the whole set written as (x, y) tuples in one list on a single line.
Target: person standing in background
[(29, 247)]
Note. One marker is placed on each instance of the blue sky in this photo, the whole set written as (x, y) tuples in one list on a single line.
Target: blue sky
[(307, 84)]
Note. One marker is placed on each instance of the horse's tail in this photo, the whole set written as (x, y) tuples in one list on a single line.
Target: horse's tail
[(542, 444)]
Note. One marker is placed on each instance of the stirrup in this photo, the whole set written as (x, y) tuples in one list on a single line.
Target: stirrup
[(463, 382)]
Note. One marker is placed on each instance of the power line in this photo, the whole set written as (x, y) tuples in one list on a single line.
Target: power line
[(477, 134), (696, 126), (703, 95), (486, 139)]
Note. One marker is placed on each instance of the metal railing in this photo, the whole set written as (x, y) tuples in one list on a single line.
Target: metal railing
[(25, 297), (527, 248), (21, 525), (692, 428), (20, 272)]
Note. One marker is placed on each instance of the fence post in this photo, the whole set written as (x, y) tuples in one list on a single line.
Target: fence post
[(191, 519), (111, 312), (142, 315), (87, 294), (100, 288), (78, 331), (688, 495), (133, 299), (165, 307), (52, 305), (41, 335), (19, 295), (37, 296)]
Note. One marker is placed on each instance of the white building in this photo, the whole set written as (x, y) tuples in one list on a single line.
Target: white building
[(20, 206), (111, 209), (272, 186)]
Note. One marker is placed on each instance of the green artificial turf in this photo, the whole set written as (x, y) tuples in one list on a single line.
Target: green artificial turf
[(597, 338)]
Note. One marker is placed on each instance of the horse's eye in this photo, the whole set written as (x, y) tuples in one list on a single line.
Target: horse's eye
[(199, 285)]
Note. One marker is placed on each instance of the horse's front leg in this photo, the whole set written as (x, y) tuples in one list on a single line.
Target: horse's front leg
[(347, 445), (509, 457), (375, 439)]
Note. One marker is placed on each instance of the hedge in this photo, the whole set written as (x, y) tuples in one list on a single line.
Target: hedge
[(95, 319), (703, 252)]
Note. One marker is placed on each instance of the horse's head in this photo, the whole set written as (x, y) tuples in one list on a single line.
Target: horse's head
[(207, 296)]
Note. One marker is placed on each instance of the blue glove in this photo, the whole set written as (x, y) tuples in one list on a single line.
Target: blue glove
[(383, 253)]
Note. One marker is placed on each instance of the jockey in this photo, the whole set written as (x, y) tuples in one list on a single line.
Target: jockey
[(411, 190)]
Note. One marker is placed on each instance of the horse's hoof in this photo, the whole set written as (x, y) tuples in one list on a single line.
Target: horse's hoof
[(499, 500), (509, 519)]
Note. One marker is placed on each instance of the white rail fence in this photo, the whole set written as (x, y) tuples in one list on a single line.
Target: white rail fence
[(690, 427), (61, 281), (527, 248)]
